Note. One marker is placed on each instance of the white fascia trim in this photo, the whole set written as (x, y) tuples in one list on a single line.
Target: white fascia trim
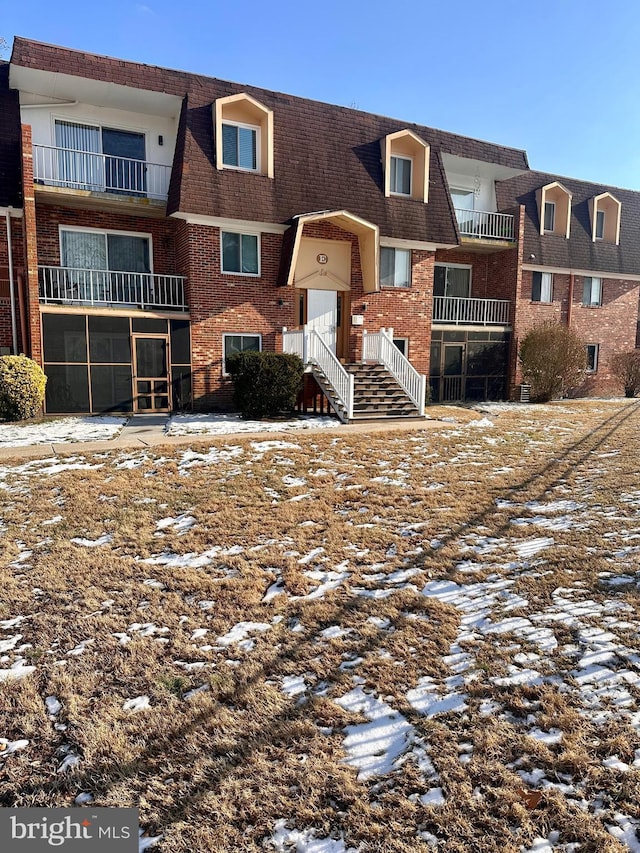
[(245, 226), (15, 212), (398, 243), (593, 273)]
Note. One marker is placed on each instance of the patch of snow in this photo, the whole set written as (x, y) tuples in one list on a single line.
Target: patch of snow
[(230, 424), (139, 703), (242, 630), (286, 840), (60, 430), (105, 539)]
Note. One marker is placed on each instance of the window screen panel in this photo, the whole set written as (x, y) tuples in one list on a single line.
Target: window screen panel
[(67, 388), (64, 337), (109, 340), (229, 145), (111, 388)]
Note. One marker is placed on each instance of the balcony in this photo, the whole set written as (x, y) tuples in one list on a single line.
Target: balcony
[(484, 225), (101, 173), (457, 311), (107, 288)]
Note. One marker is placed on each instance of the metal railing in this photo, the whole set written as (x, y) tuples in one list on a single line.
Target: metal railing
[(379, 346), (64, 285), (484, 224), (85, 170), (451, 389), (313, 349), (482, 312)]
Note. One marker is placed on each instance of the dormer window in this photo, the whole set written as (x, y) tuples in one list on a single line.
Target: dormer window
[(405, 160), (554, 207), (549, 216), (604, 210), (244, 134), (400, 183), (240, 146)]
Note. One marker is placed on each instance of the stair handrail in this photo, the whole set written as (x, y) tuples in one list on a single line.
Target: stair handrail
[(413, 383), (341, 381)]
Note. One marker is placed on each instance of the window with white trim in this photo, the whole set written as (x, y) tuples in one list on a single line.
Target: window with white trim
[(600, 224), (542, 287), (240, 146), (232, 344), (452, 280), (401, 168), (403, 345), (592, 292), (592, 357), (395, 267), (549, 216), (240, 253)]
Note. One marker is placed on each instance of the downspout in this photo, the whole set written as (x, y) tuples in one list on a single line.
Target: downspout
[(12, 289), (572, 280)]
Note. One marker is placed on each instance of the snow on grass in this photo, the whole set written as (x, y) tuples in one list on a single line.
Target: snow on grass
[(427, 701), (286, 840), (138, 703), (374, 747), (238, 634), (230, 424), (105, 539), (60, 430), (181, 524)]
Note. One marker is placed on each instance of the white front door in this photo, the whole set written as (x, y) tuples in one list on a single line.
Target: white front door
[(322, 314)]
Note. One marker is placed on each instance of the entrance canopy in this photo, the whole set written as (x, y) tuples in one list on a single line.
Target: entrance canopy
[(327, 270)]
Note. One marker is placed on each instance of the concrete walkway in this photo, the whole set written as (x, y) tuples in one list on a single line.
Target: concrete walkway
[(142, 431)]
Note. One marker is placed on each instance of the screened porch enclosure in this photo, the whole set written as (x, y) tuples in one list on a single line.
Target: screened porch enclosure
[(97, 364), (468, 365)]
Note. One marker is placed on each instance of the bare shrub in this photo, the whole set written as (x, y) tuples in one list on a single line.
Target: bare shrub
[(553, 360), (625, 366)]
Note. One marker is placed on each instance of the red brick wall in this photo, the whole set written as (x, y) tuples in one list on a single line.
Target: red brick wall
[(32, 306), (17, 246), (221, 303), (162, 232), (612, 326)]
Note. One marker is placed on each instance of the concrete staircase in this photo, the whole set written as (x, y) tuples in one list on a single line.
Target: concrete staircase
[(377, 395)]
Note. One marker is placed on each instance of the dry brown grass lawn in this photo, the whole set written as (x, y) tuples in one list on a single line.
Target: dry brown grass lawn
[(491, 569)]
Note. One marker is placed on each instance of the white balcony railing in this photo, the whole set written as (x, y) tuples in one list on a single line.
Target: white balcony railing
[(67, 285), (481, 312), (484, 224), (379, 347), (84, 170), (313, 349)]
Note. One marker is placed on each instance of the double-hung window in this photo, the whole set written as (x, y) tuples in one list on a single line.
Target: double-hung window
[(395, 267), (452, 281), (240, 253), (232, 344), (401, 168), (549, 216), (542, 287), (600, 225), (592, 291), (240, 145), (592, 357)]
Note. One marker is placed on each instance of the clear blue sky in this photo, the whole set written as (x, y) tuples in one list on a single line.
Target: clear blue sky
[(556, 77)]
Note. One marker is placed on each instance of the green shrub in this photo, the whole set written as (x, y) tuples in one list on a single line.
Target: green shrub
[(265, 384), (22, 384), (625, 366), (553, 360)]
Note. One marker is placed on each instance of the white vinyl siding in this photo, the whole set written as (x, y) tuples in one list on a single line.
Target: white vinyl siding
[(395, 267)]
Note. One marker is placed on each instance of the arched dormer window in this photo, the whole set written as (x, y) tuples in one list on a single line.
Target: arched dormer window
[(554, 208), (244, 134), (405, 160), (604, 212)]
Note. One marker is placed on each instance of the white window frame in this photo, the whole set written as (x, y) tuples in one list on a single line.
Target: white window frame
[(410, 161), (599, 214), (106, 232), (125, 128), (242, 233), (552, 206), (596, 355), (591, 303), (406, 345), (461, 267), (236, 335), (542, 301), (395, 286), (257, 129)]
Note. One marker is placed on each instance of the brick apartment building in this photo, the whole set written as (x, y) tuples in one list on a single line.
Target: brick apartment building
[(155, 222)]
